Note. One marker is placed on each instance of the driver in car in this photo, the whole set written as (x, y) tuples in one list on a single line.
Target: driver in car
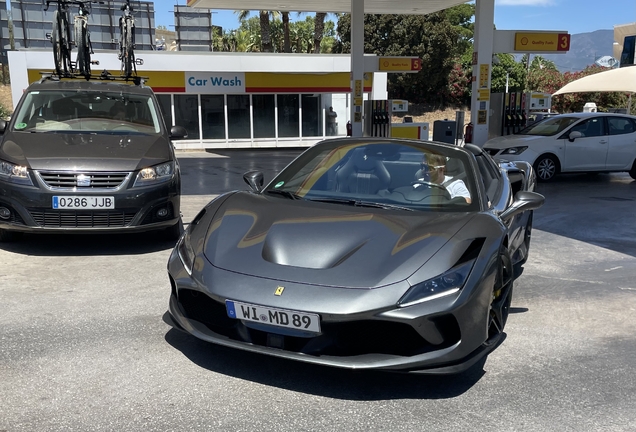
[(434, 171)]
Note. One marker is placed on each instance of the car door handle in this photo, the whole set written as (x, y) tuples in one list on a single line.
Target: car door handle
[(603, 141)]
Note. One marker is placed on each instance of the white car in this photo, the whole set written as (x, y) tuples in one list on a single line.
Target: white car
[(577, 142)]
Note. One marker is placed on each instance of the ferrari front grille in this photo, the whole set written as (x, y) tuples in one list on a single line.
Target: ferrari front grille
[(340, 339)]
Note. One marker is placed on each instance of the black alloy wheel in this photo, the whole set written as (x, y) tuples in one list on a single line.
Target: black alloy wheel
[(546, 167), (501, 296)]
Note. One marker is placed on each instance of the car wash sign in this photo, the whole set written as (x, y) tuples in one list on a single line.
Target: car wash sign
[(215, 82)]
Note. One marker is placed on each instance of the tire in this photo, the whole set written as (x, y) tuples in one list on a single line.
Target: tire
[(9, 236), (127, 55), (174, 232), (83, 50), (501, 296), (546, 167), (632, 172), (57, 46)]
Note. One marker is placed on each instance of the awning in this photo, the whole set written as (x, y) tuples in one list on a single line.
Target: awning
[(614, 80)]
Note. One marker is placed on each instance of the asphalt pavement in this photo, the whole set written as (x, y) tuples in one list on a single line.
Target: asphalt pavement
[(84, 345)]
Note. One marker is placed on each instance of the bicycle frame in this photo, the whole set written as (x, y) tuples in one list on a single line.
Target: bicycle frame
[(62, 42), (61, 38)]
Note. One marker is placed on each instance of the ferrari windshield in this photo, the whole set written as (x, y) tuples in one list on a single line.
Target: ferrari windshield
[(550, 126), (87, 111), (389, 174)]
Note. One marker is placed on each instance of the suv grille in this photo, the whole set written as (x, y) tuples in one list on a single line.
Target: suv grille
[(68, 180), (82, 219)]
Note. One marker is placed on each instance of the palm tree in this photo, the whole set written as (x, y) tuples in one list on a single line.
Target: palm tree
[(287, 43), (266, 37), (319, 28)]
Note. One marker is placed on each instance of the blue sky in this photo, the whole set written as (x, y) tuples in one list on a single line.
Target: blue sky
[(574, 16)]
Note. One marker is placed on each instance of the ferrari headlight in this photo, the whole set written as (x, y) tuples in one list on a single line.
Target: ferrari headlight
[(514, 150), (185, 252), (155, 174), (440, 286), (15, 173)]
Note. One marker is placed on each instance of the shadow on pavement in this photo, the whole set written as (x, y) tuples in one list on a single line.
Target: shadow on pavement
[(592, 208), (88, 244), (321, 380)]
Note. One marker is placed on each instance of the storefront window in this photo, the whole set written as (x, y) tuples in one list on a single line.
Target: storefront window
[(312, 115), (288, 115), (263, 109), (165, 104), (186, 112), (213, 116), (238, 116)]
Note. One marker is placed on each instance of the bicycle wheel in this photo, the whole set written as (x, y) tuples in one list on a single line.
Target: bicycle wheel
[(83, 49), (129, 57), (57, 45)]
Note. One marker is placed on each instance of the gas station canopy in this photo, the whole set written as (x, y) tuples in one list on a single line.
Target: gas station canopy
[(406, 7)]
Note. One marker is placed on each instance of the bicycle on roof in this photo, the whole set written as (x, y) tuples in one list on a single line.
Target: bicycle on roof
[(127, 42), (62, 42)]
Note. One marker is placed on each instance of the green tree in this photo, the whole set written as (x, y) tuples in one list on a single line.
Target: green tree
[(506, 65), (432, 38)]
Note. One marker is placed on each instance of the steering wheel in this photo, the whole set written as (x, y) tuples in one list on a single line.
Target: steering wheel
[(431, 185)]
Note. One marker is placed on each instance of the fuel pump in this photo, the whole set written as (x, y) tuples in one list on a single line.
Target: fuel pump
[(377, 119), (507, 115), (518, 117), (524, 111)]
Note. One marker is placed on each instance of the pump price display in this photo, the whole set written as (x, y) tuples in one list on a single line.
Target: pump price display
[(539, 42)]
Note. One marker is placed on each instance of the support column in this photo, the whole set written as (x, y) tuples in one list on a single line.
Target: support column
[(482, 68), (357, 65)]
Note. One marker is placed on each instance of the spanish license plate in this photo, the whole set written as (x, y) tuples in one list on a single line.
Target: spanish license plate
[(277, 317), (83, 202)]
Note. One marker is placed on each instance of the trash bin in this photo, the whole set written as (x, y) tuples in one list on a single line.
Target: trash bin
[(444, 131)]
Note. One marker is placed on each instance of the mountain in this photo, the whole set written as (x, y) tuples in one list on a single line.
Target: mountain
[(585, 48)]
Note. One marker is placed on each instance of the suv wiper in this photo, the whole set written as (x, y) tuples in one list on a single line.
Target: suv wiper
[(359, 203), (285, 193)]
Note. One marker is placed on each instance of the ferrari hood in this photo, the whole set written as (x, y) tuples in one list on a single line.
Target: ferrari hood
[(325, 244), (84, 151), (504, 142)]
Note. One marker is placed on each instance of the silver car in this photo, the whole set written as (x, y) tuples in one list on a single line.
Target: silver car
[(570, 143)]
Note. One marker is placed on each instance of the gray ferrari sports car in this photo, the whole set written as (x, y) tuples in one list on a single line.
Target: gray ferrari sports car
[(363, 253)]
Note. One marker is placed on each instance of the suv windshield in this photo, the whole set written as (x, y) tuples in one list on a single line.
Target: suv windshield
[(550, 126), (82, 111)]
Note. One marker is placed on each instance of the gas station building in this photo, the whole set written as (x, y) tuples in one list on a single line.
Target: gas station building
[(234, 100)]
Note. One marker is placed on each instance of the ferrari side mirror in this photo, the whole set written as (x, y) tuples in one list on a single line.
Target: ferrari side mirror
[(523, 201), (254, 179)]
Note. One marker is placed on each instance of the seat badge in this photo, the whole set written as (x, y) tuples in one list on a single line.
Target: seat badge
[(83, 180), (279, 290)]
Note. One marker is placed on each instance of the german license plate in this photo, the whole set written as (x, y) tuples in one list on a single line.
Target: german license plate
[(83, 202), (277, 317)]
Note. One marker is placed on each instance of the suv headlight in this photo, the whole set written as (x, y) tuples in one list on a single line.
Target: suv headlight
[(156, 174), (514, 150), (15, 173), (440, 286)]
